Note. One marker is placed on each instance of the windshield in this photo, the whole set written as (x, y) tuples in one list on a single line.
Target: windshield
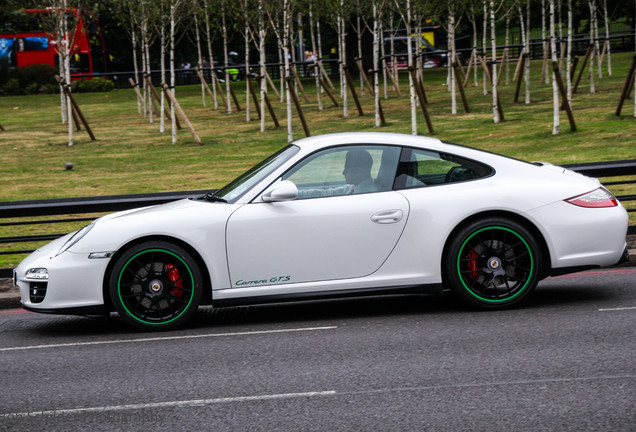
[(235, 189)]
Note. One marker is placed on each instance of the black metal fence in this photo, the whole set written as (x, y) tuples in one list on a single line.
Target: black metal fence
[(74, 210), (621, 41)]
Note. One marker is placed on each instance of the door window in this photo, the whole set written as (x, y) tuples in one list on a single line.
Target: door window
[(345, 170), (419, 168)]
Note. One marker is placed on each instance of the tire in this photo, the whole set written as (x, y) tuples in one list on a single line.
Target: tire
[(493, 264), (155, 286)]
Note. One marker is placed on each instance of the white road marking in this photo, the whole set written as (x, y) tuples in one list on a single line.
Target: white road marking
[(617, 309), (165, 338), (169, 404), (204, 402)]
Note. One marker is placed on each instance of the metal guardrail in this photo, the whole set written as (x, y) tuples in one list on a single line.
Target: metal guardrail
[(105, 204)]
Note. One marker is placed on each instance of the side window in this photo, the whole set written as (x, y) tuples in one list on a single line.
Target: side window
[(345, 170), (419, 168)]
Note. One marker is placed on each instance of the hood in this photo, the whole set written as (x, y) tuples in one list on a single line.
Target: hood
[(183, 219)]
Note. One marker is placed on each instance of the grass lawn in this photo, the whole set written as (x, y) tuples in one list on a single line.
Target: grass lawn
[(131, 156)]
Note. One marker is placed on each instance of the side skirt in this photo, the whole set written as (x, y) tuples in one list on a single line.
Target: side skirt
[(431, 289)]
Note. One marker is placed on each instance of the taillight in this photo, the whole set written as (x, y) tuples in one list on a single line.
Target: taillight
[(597, 198)]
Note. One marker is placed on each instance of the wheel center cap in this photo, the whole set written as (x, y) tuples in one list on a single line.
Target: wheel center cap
[(155, 286), (494, 263)]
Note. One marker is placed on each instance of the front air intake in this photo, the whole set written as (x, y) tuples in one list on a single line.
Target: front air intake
[(37, 291)]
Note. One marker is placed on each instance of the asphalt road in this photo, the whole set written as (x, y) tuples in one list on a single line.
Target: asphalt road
[(565, 362)]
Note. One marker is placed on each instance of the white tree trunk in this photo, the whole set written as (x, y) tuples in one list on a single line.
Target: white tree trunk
[(226, 58), (376, 62), (195, 13), (474, 52), (568, 78), (407, 23), (286, 35), (210, 56), (66, 49), (607, 39), (555, 88), (596, 39), (493, 40), (507, 42), (484, 44), (173, 114), (343, 60), (146, 50), (451, 56), (261, 54), (246, 36), (544, 42), (162, 117), (133, 35), (359, 34), (527, 72), (314, 48), (592, 5)]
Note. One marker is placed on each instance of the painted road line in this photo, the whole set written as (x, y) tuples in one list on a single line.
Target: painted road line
[(617, 309), (168, 404), (204, 402), (14, 312), (166, 338), (596, 273)]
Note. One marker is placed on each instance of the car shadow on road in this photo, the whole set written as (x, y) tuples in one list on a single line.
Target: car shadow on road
[(324, 312)]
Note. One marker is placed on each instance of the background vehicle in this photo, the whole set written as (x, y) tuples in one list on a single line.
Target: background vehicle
[(431, 56), (30, 44)]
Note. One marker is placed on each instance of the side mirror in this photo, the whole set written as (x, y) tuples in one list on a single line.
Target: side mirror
[(283, 191)]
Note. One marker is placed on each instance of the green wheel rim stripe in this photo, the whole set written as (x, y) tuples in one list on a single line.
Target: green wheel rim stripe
[(121, 301), (530, 272)]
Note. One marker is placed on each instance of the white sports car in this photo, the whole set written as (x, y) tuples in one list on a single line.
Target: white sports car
[(336, 215)]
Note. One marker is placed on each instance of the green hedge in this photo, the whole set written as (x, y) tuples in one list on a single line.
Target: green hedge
[(40, 78), (93, 85)]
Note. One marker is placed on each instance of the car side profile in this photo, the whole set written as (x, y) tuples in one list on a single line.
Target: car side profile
[(336, 215)]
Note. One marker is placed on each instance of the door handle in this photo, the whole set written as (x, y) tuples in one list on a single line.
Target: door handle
[(388, 216)]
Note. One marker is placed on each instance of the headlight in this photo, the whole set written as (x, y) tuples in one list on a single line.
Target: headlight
[(37, 273), (79, 234)]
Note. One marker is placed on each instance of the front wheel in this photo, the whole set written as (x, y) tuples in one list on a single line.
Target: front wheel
[(155, 286), (493, 264)]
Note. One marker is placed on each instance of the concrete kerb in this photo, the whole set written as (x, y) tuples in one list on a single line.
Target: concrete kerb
[(10, 296)]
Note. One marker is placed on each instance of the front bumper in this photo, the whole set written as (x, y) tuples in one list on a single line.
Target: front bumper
[(74, 284)]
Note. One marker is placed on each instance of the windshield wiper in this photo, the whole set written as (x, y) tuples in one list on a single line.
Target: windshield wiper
[(212, 198)]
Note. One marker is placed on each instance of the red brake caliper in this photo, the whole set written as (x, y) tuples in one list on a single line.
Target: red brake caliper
[(173, 275), (472, 264)]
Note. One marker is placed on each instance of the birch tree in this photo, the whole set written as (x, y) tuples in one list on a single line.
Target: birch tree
[(261, 59), (493, 39), (210, 54), (314, 49), (195, 15), (555, 88), (592, 6), (608, 45), (451, 11), (568, 77), (473, 54), (406, 12), (525, 37), (61, 23)]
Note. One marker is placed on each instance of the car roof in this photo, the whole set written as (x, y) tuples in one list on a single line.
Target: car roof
[(357, 138)]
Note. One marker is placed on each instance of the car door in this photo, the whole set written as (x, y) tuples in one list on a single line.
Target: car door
[(331, 231)]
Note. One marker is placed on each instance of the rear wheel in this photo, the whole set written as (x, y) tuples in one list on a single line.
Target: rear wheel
[(156, 286), (493, 264)]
